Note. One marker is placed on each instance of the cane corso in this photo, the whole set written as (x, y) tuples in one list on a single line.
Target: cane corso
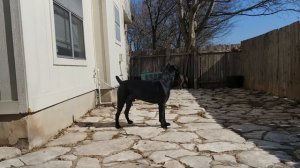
[(156, 92)]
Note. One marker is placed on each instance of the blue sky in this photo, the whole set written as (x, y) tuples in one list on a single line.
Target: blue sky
[(248, 27)]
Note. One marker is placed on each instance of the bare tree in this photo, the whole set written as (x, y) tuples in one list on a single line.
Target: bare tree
[(154, 23), (138, 32), (193, 23), (199, 17), (159, 11)]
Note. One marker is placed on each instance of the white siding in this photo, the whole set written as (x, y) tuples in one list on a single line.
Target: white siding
[(115, 51), (49, 84)]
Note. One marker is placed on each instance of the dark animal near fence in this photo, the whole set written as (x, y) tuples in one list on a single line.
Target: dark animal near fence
[(157, 92)]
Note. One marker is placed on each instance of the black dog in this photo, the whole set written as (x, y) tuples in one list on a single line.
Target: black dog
[(157, 92)]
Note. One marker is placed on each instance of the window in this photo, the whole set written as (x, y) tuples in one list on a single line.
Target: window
[(69, 29), (117, 24)]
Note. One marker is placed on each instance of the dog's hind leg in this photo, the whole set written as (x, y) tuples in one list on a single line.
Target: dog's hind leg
[(128, 106), (162, 118), (117, 124), (121, 102)]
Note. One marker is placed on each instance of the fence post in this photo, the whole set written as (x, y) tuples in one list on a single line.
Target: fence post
[(195, 62), (167, 55)]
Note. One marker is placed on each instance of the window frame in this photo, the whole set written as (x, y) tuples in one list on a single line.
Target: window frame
[(68, 60), (117, 23)]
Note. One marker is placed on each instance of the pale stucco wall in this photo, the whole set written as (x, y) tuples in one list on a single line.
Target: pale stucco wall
[(51, 80), (102, 62), (107, 49), (114, 49)]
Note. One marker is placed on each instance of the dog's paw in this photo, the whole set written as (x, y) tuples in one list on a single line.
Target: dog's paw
[(130, 122), (118, 126), (165, 126)]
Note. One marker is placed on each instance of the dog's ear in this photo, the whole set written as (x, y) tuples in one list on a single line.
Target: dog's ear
[(168, 66)]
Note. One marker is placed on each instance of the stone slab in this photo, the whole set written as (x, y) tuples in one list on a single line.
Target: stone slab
[(68, 157), (68, 139), (104, 148), (87, 162), (202, 126), (11, 163), (220, 135), (147, 145), (163, 156), (224, 146), (254, 135), (173, 164), (144, 132), (249, 127), (104, 135), (269, 145), (281, 137), (196, 161), (224, 157), (257, 158), (53, 164), (178, 137), (122, 156), (43, 155), (9, 152)]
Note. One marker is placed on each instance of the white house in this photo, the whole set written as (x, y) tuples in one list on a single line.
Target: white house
[(55, 56)]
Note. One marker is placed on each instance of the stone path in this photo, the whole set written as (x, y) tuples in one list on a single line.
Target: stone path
[(219, 128)]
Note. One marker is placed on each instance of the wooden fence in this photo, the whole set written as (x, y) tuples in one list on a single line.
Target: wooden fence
[(210, 66), (271, 62)]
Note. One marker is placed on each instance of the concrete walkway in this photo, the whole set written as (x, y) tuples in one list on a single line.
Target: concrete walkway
[(220, 128)]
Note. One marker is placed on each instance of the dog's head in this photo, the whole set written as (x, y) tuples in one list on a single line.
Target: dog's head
[(169, 73)]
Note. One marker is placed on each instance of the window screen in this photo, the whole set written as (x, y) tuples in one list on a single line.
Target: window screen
[(69, 29), (117, 24)]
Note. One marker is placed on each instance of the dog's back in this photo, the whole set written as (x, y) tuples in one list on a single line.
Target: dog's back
[(150, 91)]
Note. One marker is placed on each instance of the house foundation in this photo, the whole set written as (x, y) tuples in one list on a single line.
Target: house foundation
[(37, 128)]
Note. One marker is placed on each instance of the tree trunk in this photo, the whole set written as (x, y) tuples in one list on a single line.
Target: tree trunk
[(154, 39)]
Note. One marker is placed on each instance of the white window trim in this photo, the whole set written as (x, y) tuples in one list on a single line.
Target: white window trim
[(60, 60), (116, 40)]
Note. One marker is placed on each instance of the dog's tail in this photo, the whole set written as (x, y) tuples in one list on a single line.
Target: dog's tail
[(119, 80)]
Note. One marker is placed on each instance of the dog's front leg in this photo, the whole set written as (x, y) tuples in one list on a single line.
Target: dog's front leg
[(117, 125), (128, 106), (162, 118)]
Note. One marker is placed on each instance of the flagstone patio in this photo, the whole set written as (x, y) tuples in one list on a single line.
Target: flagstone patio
[(209, 128)]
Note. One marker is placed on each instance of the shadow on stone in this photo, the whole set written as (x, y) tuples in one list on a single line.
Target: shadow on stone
[(270, 122)]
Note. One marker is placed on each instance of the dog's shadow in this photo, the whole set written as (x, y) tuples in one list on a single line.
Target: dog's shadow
[(112, 124)]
